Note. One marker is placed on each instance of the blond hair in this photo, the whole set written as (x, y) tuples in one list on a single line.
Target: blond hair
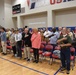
[(35, 30)]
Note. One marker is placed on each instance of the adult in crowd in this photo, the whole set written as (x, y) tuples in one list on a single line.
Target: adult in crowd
[(46, 34), (36, 43), (26, 37), (64, 42), (8, 33), (75, 30), (42, 35), (3, 40), (70, 33), (60, 30), (54, 37), (18, 39), (13, 43)]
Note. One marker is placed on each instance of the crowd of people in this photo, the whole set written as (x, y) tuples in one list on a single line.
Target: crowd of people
[(27, 39)]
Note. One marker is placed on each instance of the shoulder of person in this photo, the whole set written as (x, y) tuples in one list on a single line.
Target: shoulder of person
[(29, 34), (68, 36), (48, 31), (4, 33), (23, 34), (20, 33), (39, 34), (15, 34)]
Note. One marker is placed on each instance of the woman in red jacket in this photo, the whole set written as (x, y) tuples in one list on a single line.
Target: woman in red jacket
[(36, 42)]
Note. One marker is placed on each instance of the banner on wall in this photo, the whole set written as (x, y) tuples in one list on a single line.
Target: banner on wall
[(16, 9), (39, 3)]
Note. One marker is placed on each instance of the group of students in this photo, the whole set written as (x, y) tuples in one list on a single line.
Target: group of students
[(62, 38)]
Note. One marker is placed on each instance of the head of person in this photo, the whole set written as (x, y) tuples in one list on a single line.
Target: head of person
[(50, 30), (68, 30), (41, 30), (9, 30), (64, 31), (54, 29), (59, 28), (12, 28), (26, 27), (26, 30), (20, 30), (17, 31), (2, 29), (46, 29), (35, 30), (13, 31)]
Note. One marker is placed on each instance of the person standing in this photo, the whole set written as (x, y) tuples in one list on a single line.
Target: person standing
[(70, 33), (46, 34), (60, 30), (12, 42), (53, 38), (3, 40), (26, 37), (18, 39), (64, 42), (36, 43)]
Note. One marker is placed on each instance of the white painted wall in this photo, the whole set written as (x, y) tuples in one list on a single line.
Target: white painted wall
[(51, 19), (22, 2), (2, 22), (65, 18), (36, 20), (14, 20), (8, 14)]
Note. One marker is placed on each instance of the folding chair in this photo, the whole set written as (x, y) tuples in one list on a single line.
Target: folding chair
[(47, 53), (72, 57), (55, 56)]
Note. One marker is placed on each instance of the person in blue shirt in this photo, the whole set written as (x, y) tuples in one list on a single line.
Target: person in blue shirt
[(3, 40), (53, 38)]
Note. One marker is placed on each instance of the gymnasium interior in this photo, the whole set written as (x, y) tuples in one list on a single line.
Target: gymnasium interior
[(36, 16)]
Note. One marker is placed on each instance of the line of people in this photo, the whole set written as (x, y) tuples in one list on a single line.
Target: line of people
[(22, 39), (32, 39)]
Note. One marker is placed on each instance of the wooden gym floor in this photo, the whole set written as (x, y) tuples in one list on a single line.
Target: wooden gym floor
[(14, 66)]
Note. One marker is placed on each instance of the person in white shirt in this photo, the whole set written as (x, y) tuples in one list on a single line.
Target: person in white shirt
[(18, 39), (46, 34)]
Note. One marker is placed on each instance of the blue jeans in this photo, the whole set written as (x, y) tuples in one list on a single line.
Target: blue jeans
[(65, 58)]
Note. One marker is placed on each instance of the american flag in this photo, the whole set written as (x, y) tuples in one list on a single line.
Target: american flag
[(28, 2), (40, 3), (37, 3)]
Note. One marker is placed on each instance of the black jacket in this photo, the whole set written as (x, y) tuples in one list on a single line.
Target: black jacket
[(27, 40)]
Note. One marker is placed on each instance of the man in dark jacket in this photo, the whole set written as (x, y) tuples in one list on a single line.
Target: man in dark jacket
[(26, 36)]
